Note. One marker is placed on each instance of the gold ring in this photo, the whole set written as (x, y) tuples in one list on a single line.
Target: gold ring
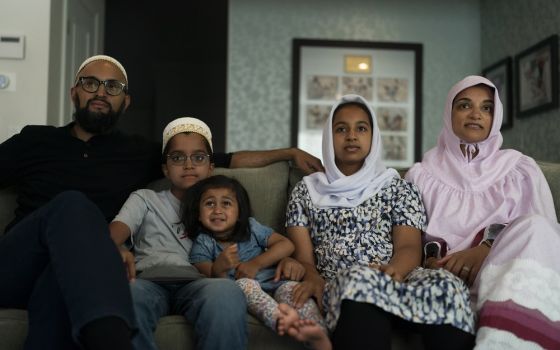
[(466, 268)]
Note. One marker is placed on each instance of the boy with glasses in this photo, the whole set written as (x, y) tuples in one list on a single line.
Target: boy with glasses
[(167, 281)]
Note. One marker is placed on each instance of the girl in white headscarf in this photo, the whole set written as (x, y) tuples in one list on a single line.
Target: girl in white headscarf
[(356, 229), (470, 187)]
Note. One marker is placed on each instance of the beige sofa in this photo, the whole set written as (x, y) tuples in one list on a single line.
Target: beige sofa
[(268, 189)]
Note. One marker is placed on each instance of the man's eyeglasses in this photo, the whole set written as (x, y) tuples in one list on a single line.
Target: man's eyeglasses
[(197, 159), (112, 87)]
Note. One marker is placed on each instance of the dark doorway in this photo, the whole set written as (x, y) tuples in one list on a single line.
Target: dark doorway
[(175, 54)]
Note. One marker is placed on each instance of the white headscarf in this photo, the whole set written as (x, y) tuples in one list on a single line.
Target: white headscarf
[(334, 189)]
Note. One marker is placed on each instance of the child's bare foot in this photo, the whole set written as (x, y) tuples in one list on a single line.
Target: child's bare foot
[(310, 332), (287, 317), (307, 331)]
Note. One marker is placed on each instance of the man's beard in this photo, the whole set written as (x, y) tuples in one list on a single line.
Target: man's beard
[(97, 122)]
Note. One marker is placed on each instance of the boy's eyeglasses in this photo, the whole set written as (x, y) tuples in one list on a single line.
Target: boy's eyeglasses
[(112, 87), (197, 159)]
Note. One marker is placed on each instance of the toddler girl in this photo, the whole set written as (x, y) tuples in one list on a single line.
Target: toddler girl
[(229, 243)]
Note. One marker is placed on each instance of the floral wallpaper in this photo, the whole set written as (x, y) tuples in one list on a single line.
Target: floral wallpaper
[(260, 58), (508, 28)]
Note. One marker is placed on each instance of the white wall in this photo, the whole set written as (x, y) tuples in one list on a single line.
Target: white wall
[(28, 104), (260, 41)]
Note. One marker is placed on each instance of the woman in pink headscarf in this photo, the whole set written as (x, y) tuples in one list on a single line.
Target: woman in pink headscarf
[(470, 187)]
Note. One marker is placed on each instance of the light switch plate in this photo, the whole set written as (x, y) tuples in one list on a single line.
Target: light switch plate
[(12, 46)]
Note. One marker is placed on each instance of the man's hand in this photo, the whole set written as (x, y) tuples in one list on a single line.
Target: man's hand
[(227, 260), (289, 269), (246, 269), (128, 260), (305, 161), (310, 288), (466, 263)]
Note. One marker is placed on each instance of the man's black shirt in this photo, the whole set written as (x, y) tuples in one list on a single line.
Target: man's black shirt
[(43, 161)]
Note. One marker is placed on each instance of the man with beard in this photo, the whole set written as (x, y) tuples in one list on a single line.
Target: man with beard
[(57, 259), (90, 156)]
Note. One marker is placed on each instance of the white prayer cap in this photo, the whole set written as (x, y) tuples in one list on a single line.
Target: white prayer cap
[(186, 124), (102, 58)]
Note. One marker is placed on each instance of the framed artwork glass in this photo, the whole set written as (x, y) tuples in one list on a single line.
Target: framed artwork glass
[(388, 75), (499, 73), (536, 71)]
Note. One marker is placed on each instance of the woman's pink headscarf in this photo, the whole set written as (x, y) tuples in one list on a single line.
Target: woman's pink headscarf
[(463, 194)]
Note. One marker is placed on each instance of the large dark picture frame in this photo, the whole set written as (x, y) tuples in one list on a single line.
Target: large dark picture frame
[(500, 73), (387, 74), (536, 70)]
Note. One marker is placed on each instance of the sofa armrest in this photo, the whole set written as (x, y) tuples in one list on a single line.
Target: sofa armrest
[(551, 172)]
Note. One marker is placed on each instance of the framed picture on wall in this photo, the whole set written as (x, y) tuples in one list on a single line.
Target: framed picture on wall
[(499, 73), (388, 75), (536, 71)]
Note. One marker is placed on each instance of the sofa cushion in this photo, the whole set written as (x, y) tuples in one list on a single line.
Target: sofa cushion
[(552, 173), (13, 328), (268, 191), (267, 188), (173, 333)]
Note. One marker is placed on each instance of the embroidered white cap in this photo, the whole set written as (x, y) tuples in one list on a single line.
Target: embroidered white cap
[(102, 58), (186, 124)]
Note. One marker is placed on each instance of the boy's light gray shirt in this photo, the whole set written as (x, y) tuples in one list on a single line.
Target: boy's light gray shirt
[(158, 236)]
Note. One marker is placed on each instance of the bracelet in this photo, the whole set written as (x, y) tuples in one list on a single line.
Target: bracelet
[(488, 243)]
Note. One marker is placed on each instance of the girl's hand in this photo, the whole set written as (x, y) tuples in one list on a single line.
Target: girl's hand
[(289, 269), (227, 260), (246, 269), (432, 263), (466, 263), (312, 287), (389, 270)]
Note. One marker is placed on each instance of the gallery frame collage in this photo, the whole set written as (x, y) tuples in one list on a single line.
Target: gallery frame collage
[(535, 74), (386, 74)]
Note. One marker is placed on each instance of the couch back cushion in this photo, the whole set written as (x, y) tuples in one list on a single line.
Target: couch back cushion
[(268, 191), (267, 188), (552, 173)]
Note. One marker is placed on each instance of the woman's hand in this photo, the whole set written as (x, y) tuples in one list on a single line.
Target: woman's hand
[(311, 287), (289, 269), (466, 263)]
